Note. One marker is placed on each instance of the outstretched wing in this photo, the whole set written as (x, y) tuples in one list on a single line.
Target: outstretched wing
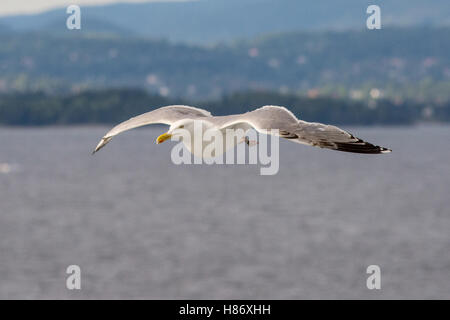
[(165, 115), (310, 133)]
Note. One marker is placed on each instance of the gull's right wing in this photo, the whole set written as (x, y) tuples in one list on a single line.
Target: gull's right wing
[(165, 115)]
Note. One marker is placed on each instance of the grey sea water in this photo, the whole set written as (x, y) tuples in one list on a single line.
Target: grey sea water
[(142, 227)]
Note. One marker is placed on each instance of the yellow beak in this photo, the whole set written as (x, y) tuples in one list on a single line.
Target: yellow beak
[(163, 138)]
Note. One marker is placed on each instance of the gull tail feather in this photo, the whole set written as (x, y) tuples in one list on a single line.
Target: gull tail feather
[(101, 144)]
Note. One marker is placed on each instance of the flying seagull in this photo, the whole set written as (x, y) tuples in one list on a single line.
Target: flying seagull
[(263, 120)]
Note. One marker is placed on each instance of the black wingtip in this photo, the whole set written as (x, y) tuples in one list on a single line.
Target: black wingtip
[(361, 146), (101, 144)]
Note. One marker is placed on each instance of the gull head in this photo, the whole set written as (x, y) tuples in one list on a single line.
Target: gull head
[(176, 130)]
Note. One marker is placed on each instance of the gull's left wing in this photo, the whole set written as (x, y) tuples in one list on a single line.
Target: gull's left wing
[(309, 133)]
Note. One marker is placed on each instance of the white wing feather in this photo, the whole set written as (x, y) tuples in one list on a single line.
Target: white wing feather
[(289, 127), (165, 115), (263, 120)]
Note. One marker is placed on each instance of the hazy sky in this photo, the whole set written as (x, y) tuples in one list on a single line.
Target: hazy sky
[(9, 7)]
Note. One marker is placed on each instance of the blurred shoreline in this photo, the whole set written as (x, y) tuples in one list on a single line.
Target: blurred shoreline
[(112, 106)]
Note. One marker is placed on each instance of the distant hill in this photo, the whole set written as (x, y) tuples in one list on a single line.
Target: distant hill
[(89, 27), (5, 29), (412, 63), (206, 21)]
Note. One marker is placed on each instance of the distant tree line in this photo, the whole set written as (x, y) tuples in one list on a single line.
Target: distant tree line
[(115, 105)]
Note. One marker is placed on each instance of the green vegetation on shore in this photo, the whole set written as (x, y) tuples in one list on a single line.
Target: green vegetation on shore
[(115, 105)]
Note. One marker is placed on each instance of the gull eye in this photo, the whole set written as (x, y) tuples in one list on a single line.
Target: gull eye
[(181, 127)]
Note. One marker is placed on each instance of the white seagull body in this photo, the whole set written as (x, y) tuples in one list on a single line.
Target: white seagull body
[(263, 120)]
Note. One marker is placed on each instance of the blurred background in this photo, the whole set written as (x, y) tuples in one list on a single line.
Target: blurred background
[(142, 227)]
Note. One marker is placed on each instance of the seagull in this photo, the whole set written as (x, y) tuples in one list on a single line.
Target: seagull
[(263, 120)]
